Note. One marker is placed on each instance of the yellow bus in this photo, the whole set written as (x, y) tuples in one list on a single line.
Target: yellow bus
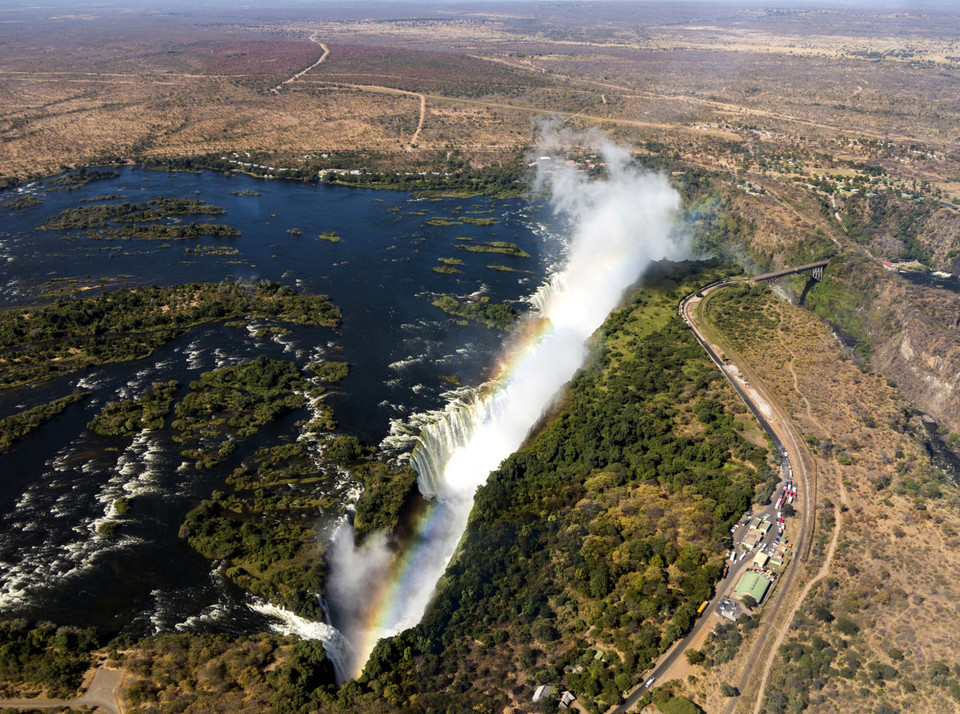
[(702, 608)]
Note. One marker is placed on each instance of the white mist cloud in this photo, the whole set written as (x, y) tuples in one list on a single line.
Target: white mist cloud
[(355, 576), (618, 226)]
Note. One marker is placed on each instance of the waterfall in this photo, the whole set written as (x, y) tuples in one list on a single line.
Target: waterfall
[(620, 226), (334, 643)]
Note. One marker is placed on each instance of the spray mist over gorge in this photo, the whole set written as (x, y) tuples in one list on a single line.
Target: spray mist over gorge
[(617, 226)]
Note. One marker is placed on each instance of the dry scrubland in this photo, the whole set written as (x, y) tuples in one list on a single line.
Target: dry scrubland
[(131, 86), (877, 629)]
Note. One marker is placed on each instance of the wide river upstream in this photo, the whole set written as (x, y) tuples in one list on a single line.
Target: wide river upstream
[(58, 483)]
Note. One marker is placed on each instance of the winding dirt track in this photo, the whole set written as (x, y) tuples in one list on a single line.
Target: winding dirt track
[(298, 75), (362, 87)]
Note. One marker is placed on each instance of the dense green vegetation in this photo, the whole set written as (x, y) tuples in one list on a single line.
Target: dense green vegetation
[(845, 297), (212, 250), (330, 372), (131, 416), (127, 324), (21, 424), (390, 495), (451, 174), (43, 656), (185, 231), (588, 552), (496, 315), (232, 403), (263, 526), (245, 675), (98, 216)]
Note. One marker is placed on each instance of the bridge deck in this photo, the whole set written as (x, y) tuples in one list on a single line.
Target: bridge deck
[(790, 271)]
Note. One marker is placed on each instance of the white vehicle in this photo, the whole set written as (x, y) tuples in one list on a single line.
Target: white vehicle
[(649, 682), (742, 556)]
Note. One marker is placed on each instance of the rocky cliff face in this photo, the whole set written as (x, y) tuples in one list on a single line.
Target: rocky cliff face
[(908, 333)]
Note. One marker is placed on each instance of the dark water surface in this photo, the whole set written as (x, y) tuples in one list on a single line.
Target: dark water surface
[(58, 484)]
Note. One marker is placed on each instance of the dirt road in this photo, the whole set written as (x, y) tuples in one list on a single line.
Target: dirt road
[(298, 75)]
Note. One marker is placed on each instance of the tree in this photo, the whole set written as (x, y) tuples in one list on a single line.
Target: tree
[(749, 601), (694, 656), (847, 626), (728, 690)]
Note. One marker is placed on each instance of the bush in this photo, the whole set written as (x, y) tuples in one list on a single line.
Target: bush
[(344, 448), (847, 626), (728, 690)]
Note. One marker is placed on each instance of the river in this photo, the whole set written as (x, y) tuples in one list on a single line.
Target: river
[(59, 482)]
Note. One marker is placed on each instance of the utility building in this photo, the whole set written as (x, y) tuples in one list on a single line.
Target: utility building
[(751, 539), (753, 584)]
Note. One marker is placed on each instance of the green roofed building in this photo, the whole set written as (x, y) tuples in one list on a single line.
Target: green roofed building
[(753, 584)]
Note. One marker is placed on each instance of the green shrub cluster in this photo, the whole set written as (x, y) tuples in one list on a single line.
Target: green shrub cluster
[(44, 655), (496, 246), (499, 316), (131, 416), (232, 403)]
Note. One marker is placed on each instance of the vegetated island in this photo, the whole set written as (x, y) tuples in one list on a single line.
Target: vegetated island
[(495, 246), (21, 202), (448, 267), (264, 524), (127, 324), (131, 416), (461, 220), (22, 423), (139, 220), (499, 316), (231, 403)]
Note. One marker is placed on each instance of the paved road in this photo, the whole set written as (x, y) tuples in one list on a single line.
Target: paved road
[(100, 695), (789, 455), (788, 441)]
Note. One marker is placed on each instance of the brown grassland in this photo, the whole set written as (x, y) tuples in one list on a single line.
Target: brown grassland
[(895, 568)]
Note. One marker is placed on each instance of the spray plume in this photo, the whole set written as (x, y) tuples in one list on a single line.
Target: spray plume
[(617, 227)]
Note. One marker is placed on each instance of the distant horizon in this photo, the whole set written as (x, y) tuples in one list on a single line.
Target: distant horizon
[(884, 5)]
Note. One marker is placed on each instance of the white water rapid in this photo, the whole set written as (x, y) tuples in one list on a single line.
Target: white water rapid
[(618, 226)]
